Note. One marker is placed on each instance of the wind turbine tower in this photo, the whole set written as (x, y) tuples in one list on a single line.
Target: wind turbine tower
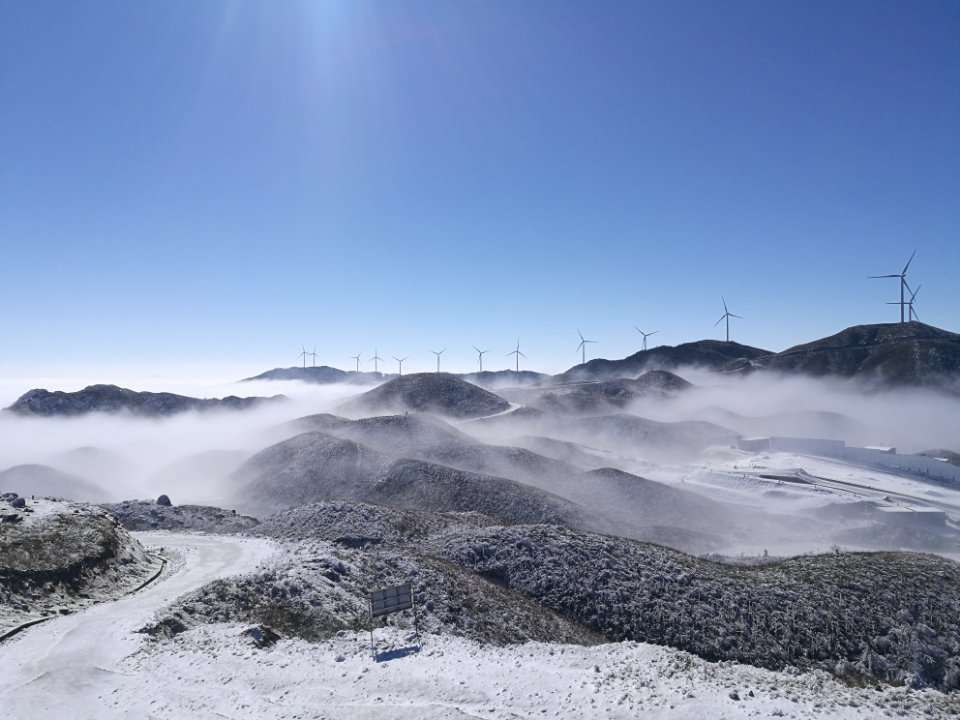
[(480, 354), (438, 353), (399, 364), (726, 316), (376, 360), (516, 353), (582, 347), (357, 358), (902, 276), (314, 355), (303, 354), (911, 313), (645, 335)]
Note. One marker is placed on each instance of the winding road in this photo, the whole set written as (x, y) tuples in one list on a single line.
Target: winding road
[(62, 668)]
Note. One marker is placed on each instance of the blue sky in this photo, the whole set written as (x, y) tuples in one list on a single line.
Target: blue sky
[(216, 183)]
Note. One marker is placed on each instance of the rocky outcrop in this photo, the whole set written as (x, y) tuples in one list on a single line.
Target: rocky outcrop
[(146, 515), (60, 556)]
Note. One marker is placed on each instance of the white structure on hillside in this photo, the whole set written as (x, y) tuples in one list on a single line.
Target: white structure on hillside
[(882, 458)]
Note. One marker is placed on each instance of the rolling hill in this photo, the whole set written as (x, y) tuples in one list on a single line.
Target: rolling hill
[(320, 375), (708, 354), (440, 393), (893, 354)]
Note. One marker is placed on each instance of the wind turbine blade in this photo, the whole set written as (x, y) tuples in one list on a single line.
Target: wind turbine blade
[(521, 354), (736, 316), (907, 266), (724, 304), (653, 333), (876, 277), (914, 293), (722, 318)]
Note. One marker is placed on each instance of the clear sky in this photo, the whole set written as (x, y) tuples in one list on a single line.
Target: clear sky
[(214, 183)]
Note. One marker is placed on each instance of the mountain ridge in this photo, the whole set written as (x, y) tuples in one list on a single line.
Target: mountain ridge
[(911, 353), (112, 398)]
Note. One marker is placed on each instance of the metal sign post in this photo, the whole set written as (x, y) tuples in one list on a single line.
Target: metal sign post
[(390, 600)]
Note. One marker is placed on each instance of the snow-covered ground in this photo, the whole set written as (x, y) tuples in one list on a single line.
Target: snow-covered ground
[(65, 667), (878, 480), (94, 664), (213, 671)]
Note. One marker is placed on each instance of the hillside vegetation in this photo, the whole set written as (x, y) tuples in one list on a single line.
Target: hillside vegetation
[(891, 617)]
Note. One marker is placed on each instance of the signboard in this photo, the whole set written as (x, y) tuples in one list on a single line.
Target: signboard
[(391, 599)]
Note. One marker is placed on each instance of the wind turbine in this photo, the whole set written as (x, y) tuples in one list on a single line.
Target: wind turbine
[(516, 352), (303, 354), (645, 335), (399, 363), (357, 358), (438, 353), (582, 347), (376, 359), (726, 316), (902, 275), (314, 354), (480, 354), (913, 294)]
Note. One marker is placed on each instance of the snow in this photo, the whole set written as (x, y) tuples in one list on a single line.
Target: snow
[(212, 671), (94, 664), (61, 668), (877, 481)]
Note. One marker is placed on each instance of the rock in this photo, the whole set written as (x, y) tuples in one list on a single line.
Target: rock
[(734, 695), (18, 503), (166, 628), (8, 496), (261, 636), (164, 500), (12, 518)]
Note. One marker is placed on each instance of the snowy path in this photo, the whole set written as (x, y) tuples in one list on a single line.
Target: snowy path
[(62, 668)]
